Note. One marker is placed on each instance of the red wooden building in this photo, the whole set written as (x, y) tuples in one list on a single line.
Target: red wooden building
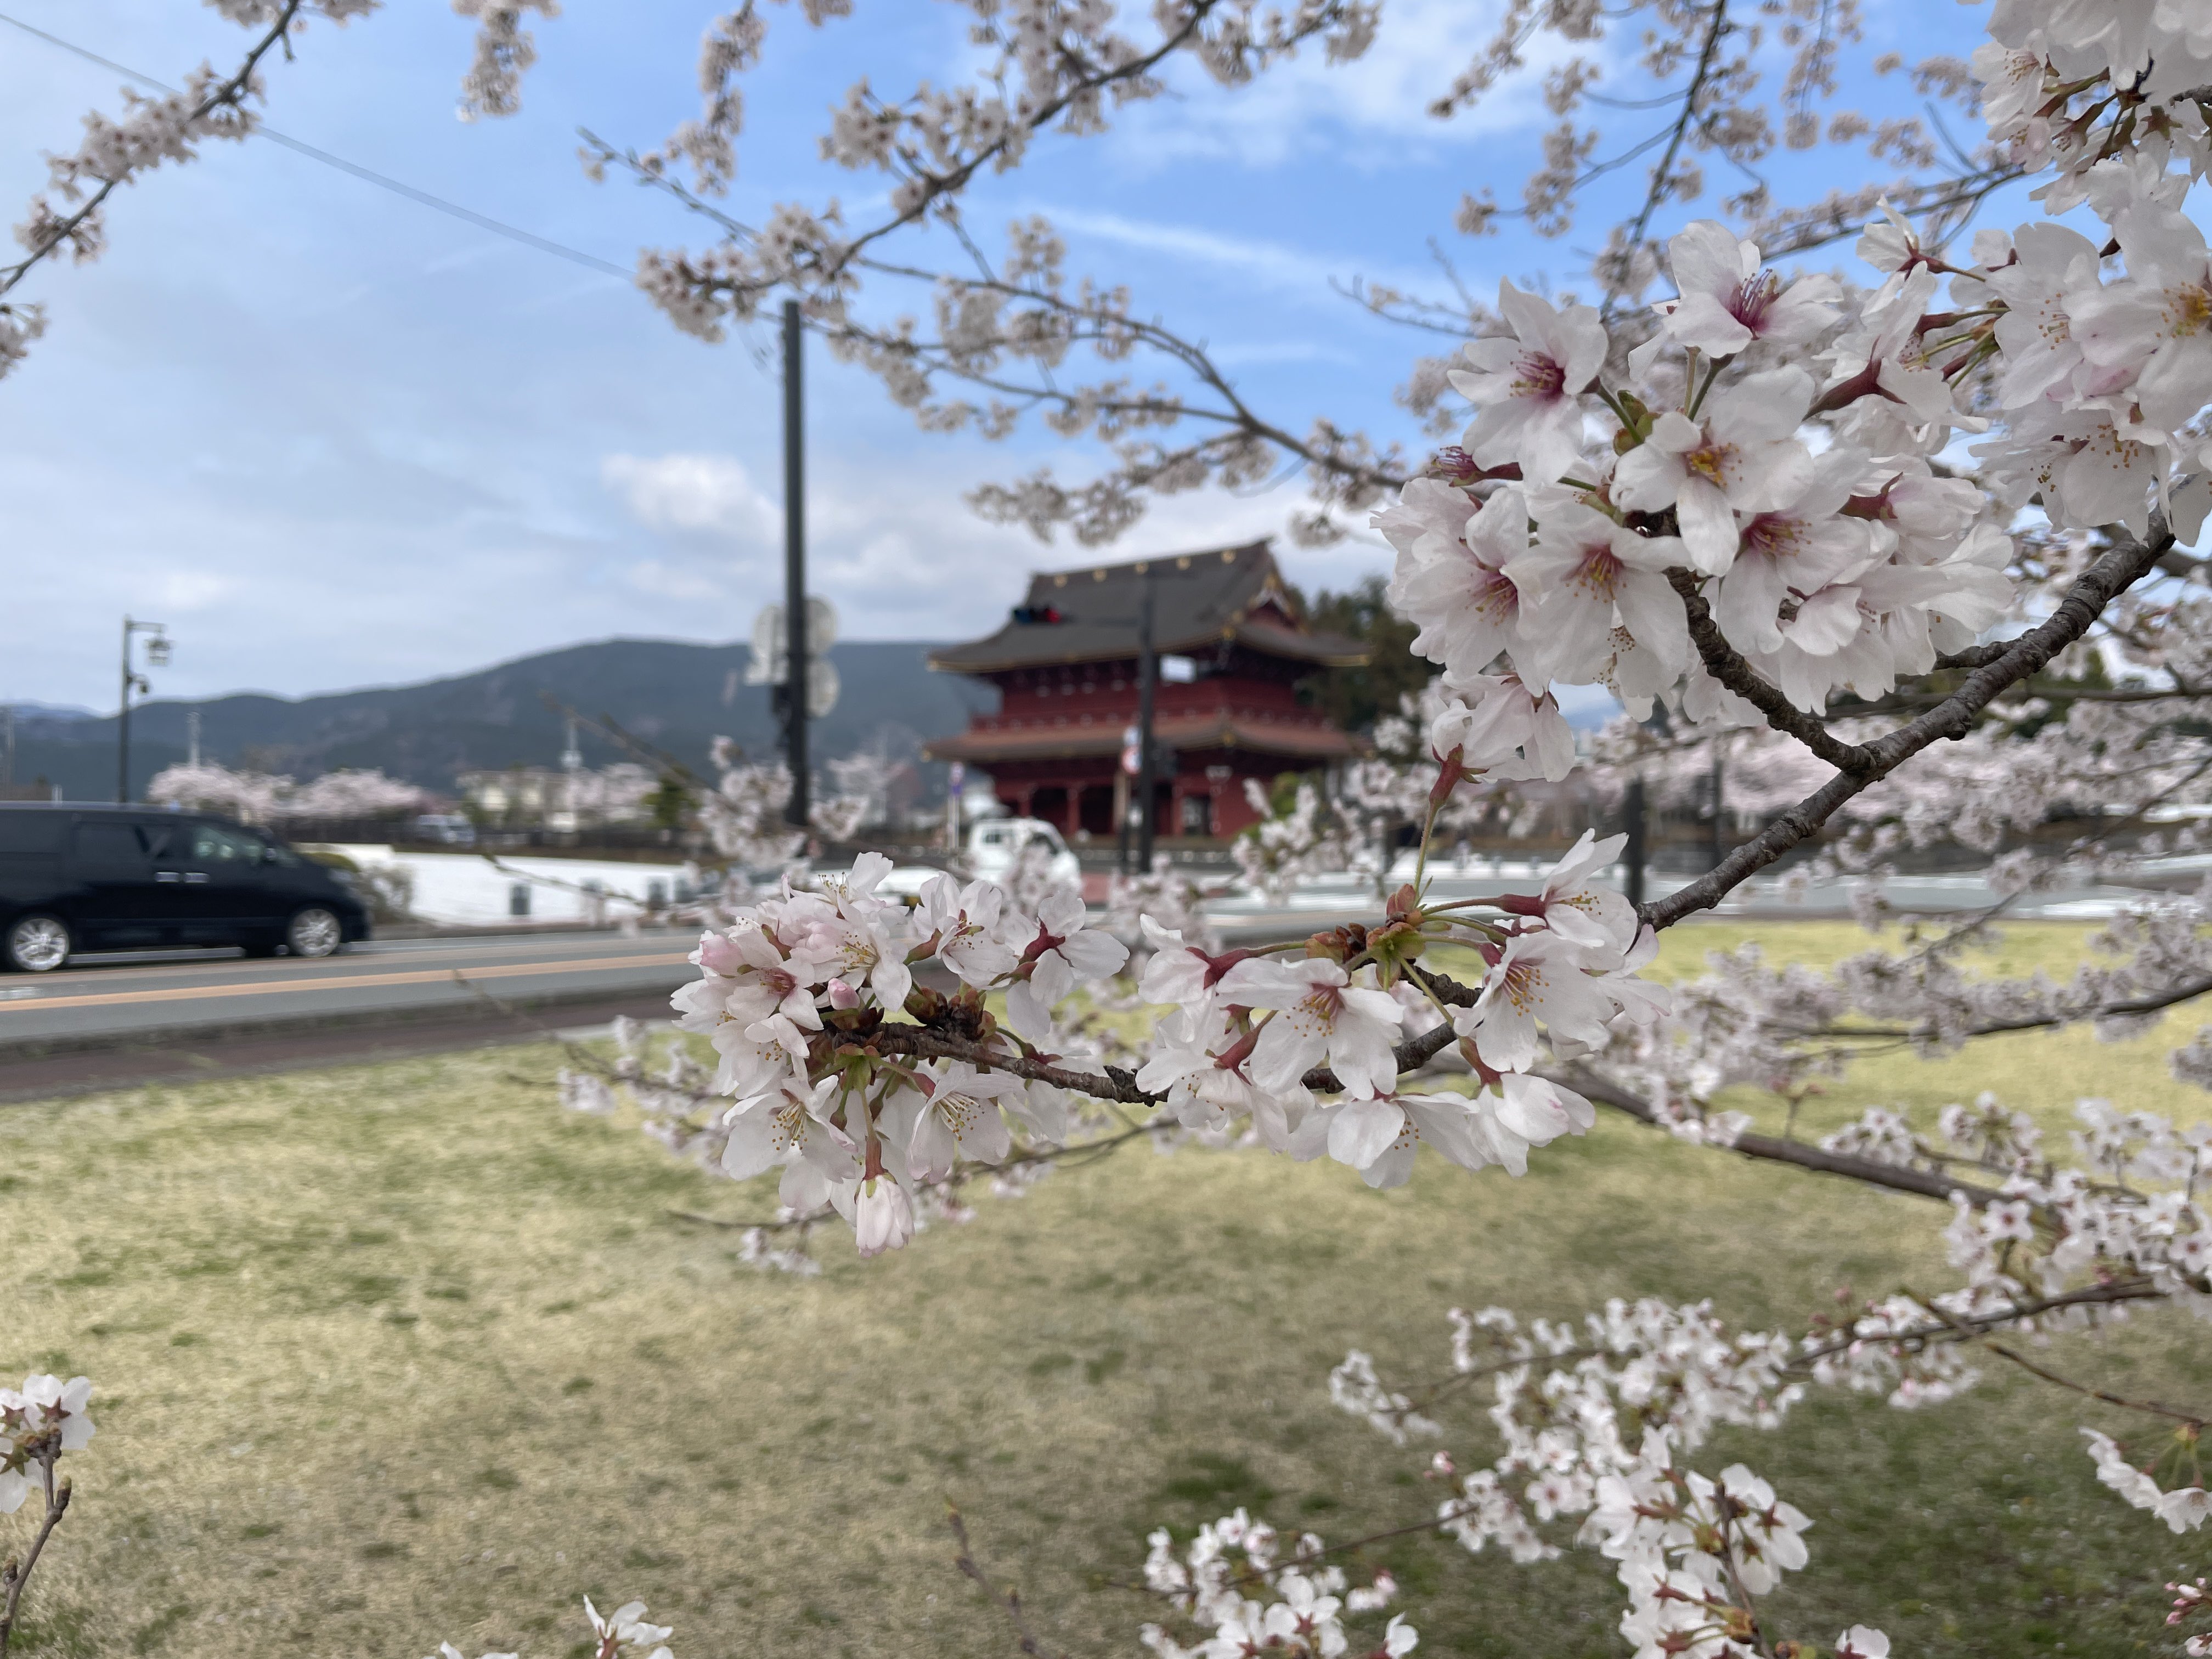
[(1065, 664)]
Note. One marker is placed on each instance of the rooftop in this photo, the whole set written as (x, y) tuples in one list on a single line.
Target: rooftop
[(1199, 599)]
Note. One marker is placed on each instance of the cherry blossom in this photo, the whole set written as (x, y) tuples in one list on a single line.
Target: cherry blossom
[(1537, 976), (1452, 580), (1740, 456), (1591, 578), (1321, 1017), (1529, 387), (1725, 301)]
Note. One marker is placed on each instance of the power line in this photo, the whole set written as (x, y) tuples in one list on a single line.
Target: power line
[(469, 216)]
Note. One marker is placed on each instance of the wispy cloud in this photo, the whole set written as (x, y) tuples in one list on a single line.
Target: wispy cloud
[(697, 492), (1278, 266), (1380, 100)]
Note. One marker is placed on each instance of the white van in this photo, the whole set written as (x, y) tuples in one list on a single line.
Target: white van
[(993, 844)]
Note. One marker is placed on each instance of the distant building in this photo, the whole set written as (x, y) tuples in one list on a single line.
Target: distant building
[(558, 797), (1226, 706)]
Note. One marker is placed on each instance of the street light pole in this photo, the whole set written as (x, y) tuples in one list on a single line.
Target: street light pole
[(794, 563), (123, 725), (157, 653)]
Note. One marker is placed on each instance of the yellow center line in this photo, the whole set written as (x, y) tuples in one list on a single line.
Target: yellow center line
[(263, 988)]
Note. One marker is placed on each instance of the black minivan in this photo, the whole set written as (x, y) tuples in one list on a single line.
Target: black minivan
[(83, 877)]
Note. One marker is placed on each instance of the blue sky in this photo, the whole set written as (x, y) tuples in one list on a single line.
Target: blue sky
[(334, 439)]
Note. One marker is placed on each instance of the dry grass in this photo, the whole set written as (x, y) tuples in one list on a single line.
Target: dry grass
[(398, 1353)]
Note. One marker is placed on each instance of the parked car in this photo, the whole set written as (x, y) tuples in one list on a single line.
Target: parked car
[(447, 828), (993, 844), (82, 878)]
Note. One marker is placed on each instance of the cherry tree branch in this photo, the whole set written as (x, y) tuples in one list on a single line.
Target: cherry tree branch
[(1115, 1085), (2113, 573), (1774, 1149), (1942, 1326), (1094, 322), (2157, 1002), (230, 93), (14, 1574), (2194, 1419), (1726, 665)]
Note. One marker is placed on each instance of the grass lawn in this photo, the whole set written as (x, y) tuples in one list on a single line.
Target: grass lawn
[(400, 1353)]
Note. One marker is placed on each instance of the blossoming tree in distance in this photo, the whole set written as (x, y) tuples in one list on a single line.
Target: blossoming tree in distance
[(1916, 549)]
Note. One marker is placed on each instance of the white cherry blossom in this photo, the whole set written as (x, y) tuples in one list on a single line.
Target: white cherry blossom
[(1321, 1018), (1529, 387), (1588, 577), (1741, 455), (1726, 302)]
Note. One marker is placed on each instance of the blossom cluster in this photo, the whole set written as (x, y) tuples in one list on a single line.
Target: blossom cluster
[(622, 1634), (1233, 1581), (1593, 1422), (38, 1423), (867, 1088), (1594, 1419), (260, 797)]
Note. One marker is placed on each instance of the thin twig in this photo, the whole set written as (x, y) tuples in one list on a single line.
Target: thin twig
[(1009, 1598), (1773, 1149), (2194, 1419), (15, 1575)]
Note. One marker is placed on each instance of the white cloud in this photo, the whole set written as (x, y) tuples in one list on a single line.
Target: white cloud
[(664, 581), (192, 590), (694, 492), (1275, 265), (1420, 49)]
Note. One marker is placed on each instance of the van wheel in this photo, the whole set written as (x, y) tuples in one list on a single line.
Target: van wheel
[(314, 932), (38, 943)]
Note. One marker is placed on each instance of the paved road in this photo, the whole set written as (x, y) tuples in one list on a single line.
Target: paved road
[(112, 1001)]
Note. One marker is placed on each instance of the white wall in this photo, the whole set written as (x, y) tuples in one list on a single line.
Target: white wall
[(466, 889)]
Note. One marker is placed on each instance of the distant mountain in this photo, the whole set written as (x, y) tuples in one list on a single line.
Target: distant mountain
[(47, 711), (676, 695)]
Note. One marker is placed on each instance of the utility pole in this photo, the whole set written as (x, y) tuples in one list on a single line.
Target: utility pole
[(1148, 674), (794, 564), (7, 760), (1632, 810), (157, 655), (192, 737)]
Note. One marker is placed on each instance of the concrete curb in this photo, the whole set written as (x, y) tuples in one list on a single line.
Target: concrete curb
[(473, 1012)]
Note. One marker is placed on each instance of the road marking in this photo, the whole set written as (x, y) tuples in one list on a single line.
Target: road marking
[(93, 971), (263, 988)]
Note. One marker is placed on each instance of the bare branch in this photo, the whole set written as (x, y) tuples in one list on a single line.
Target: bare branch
[(1773, 1149), (2113, 574), (1009, 1597), (14, 1574)]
